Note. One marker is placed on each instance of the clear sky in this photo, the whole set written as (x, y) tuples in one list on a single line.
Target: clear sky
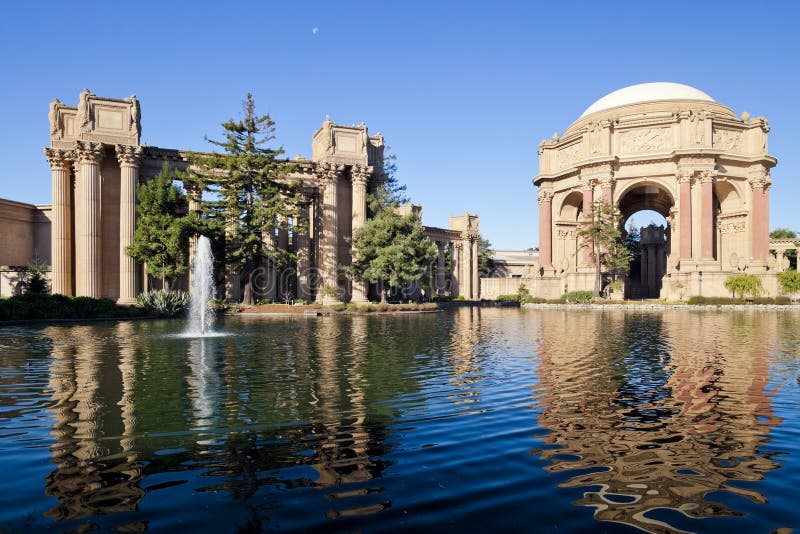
[(462, 91)]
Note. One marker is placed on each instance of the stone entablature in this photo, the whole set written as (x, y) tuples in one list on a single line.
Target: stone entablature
[(687, 157)]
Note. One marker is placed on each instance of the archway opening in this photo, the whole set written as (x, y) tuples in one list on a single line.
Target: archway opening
[(645, 211)]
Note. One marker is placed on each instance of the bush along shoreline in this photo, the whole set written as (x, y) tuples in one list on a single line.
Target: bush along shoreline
[(37, 306)]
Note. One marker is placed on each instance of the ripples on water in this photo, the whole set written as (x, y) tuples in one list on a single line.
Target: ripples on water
[(470, 420)]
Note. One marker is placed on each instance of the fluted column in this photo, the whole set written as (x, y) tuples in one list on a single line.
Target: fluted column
[(607, 190), (129, 157), (476, 279), (586, 242), (301, 248), (195, 198), (760, 227), (707, 215), (545, 199), (87, 225), (61, 229), (455, 269), (440, 268), (360, 178), (685, 217), (330, 230)]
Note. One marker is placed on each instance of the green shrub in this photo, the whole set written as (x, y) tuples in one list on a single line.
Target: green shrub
[(744, 284), (44, 306), (789, 281), (165, 303), (460, 297), (578, 297), (508, 298)]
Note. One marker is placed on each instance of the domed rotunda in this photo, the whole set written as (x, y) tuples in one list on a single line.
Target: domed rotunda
[(669, 148)]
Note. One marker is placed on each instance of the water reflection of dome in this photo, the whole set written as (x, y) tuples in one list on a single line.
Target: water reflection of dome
[(651, 440)]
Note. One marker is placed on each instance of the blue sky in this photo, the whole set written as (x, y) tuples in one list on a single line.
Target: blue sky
[(462, 91)]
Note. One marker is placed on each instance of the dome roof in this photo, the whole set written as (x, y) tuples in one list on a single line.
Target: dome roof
[(647, 92)]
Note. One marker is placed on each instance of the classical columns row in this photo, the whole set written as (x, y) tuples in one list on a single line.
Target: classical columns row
[(86, 159)]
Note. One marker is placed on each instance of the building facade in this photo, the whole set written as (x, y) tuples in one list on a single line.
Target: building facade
[(672, 149)]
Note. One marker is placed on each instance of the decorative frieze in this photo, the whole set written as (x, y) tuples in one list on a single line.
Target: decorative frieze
[(728, 140), (644, 140), (571, 154)]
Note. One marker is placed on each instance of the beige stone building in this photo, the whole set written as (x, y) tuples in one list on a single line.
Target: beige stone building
[(97, 163), (672, 149)]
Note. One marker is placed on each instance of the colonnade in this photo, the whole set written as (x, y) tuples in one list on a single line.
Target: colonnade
[(77, 256), (464, 276)]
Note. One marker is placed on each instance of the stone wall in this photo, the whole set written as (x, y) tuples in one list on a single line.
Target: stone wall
[(24, 233)]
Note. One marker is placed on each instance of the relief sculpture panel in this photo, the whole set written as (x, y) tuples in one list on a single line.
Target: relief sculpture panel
[(569, 155), (647, 140), (729, 140)]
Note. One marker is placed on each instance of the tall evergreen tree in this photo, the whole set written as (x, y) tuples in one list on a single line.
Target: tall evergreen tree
[(255, 196), (161, 238)]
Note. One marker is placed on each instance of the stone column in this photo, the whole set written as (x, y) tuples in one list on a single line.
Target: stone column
[(760, 227), (607, 186), (685, 215), (360, 178), (643, 265), (586, 243), (301, 248), (195, 197), (651, 270), (330, 230), (282, 246), (129, 157), (87, 224), (61, 229), (455, 269), (465, 278), (476, 278), (707, 215), (545, 199), (440, 268)]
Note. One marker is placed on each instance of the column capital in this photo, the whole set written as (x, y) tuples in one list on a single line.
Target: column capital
[(708, 176), (129, 155), (544, 195), (361, 174), (58, 159), (331, 171), (685, 176), (759, 178), (88, 152), (606, 180)]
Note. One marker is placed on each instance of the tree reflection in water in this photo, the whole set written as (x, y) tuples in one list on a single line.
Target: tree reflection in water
[(654, 411)]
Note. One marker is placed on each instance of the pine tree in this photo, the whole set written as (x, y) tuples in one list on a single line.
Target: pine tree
[(161, 238), (255, 195)]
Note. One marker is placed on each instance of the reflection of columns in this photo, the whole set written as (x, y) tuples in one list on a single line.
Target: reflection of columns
[(440, 268), (760, 226), (685, 215), (129, 157), (360, 177), (61, 232), (707, 215), (475, 279), (87, 224), (545, 199), (330, 229), (586, 242)]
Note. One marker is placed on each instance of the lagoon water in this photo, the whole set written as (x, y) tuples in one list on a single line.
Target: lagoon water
[(470, 420)]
